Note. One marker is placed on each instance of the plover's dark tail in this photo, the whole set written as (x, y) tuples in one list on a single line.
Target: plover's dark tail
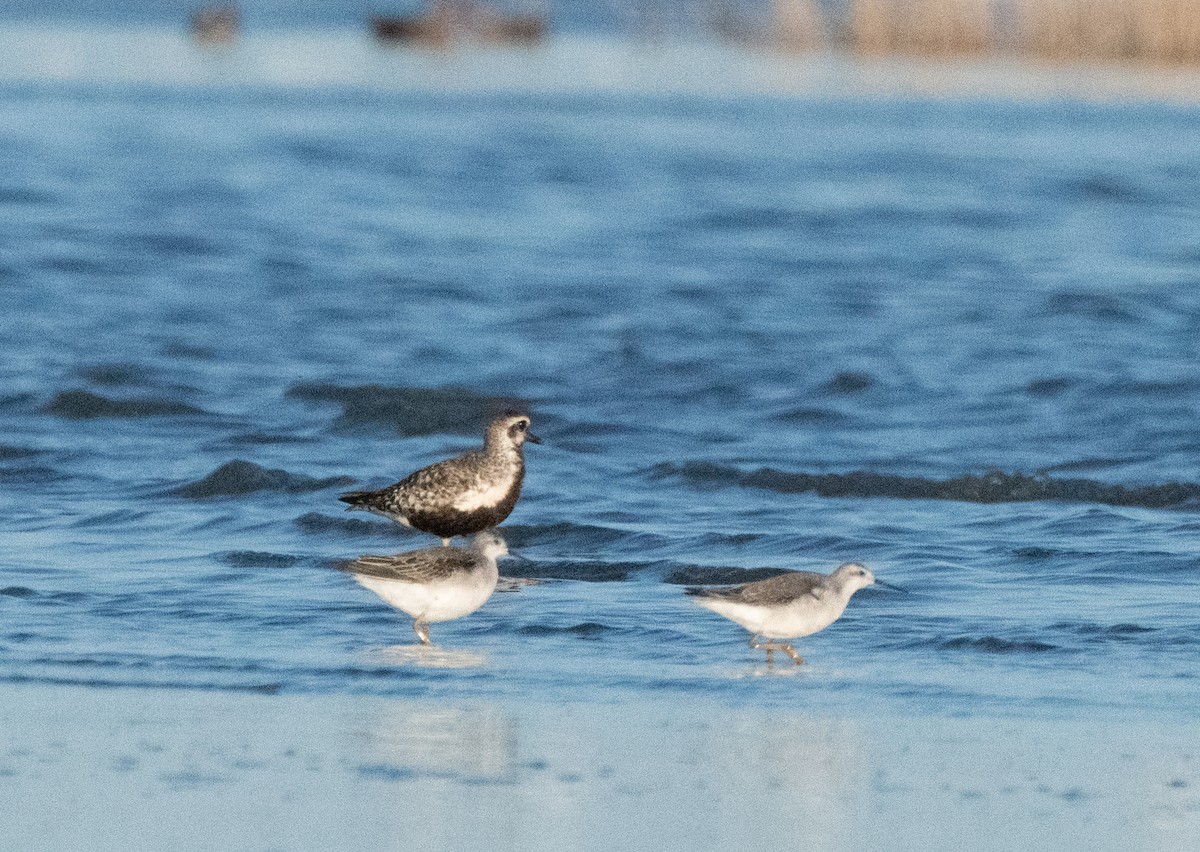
[(357, 499), (696, 591)]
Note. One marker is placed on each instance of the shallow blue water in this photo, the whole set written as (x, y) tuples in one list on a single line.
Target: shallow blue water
[(957, 341)]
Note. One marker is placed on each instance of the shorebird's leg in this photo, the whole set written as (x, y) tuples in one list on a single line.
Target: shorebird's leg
[(769, 647), (791, 652), (445, 542), (422, 632)]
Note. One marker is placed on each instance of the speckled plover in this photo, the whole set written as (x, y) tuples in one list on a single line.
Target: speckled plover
[(462, 495), (435, 583), (794, 604)]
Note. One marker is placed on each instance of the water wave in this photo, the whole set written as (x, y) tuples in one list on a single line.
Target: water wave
[(1124, 631), (133, 683), (564, 534), (236, 478), (9, 452), (35, 473), (408, 411), (812, 415), (258, 439), (390, 772), (1050, 387), (1100, 307), (996, 645), (85, 405), (848, 382), (259, 559), (317, 522), (17, 401), (584, 630), (586, 571), (1091, 464), (992, 487), (114, 375), (703, 575)]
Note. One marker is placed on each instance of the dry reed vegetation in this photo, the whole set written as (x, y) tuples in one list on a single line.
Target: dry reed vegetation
[(798, 25), (921, 27), (1160, 32)]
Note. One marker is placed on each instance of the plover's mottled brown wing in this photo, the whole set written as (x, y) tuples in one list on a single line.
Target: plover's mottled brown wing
[(773, 590), (440, 483), (430, 490), (416, 566)]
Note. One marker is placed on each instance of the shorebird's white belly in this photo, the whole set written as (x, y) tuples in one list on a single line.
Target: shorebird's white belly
[(441, 600), (483, 496), (782, 621)]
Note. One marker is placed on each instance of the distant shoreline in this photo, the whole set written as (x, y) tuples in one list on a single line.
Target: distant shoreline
[(350, 57)]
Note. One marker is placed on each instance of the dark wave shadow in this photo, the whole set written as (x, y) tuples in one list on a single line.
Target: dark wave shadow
[(407, 411), (238, 478), (992, 487), (996, 645), (319, 523), (85, 405)]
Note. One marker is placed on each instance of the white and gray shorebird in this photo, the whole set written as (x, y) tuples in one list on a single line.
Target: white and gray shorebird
[(436, 583), (791, 605), (462, 495)]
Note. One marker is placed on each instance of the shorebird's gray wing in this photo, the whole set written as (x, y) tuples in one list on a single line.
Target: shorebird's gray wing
[(414, 566), (781, 589)]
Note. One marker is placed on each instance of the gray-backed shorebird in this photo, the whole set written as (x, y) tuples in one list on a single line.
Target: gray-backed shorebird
[(791, 605), (435, 583)]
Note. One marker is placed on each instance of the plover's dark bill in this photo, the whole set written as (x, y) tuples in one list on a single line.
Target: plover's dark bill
[(463, 495), (791, 605), (436, 583)]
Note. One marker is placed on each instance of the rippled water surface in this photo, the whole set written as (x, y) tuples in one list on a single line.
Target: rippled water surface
[(956, 341)]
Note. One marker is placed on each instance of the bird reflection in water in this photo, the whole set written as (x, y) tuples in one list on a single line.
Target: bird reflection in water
[(427, 656), (446, 23), (473, 742)]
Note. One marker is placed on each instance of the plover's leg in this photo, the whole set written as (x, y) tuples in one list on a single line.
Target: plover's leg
[(422, 632), (445, 542)]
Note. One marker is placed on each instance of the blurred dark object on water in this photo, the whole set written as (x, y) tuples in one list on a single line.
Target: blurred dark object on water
[(216, 24), (448, 22)]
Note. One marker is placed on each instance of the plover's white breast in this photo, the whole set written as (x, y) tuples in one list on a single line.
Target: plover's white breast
[(485, 494)]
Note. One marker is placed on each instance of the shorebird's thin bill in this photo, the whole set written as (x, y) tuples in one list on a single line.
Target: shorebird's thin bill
[(532, 438), (890, 586), (517, 555)]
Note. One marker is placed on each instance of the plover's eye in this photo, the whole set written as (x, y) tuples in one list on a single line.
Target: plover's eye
[(522, 425)]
